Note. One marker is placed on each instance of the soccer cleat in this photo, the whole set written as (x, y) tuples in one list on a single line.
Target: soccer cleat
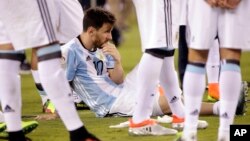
[(178, 123), (164, 119), (213, 92), (242, 106), (49, 107), (2, 126), (149, 127), (120, 125), (27, 127)]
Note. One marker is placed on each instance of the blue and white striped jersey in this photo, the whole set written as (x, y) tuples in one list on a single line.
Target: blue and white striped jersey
[(89, 73)]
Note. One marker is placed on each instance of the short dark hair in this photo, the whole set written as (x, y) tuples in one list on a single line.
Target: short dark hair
[(96, 17)]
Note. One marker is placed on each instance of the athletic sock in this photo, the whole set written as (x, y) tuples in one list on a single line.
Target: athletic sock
[(39, 86), (54, 82), (10, 92), (147, 80), (216, 108), (213, 73), (213, 63), (230, 86), (194, 87), (170, 84), (1, 117)]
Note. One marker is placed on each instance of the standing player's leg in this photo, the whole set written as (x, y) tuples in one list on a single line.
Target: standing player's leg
[(230, 86), (10, 86), (53, 79), (233, 38), (149, 66), (10, 89), (66, 17), (43, 40), (156, 39), (36, 78), (170, 84), (194, 79)]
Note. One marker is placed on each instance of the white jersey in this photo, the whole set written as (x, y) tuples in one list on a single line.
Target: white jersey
[(155, 20), (230, 25), (89, 73), (33, 23)]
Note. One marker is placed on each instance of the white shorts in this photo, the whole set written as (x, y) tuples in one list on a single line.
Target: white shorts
[(205, 23), (4, 39), (183, 13), (125, 102), (154, 21), (33, 23)]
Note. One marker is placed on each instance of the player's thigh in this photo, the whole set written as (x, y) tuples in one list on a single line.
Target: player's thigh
[(29, 23), (234, 26), (201, 24), (144, 13)]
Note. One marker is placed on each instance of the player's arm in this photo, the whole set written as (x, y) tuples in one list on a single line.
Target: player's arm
[(116, 74)]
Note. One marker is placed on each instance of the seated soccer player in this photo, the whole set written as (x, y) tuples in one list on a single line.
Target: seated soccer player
[(94, 70)]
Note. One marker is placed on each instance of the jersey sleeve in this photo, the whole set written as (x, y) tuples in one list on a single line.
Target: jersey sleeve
[(71, 65)]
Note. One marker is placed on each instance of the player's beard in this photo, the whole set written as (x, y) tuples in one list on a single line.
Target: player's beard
[(98, 43)]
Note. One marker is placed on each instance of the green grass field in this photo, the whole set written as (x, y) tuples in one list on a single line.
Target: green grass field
[(131, 53)]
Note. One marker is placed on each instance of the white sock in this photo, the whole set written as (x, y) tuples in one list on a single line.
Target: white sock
[(54, 82), (213, 73), (216, 108), (230, 85), (193, 88), (10, 92), (1, 116), (147, 79), (169, 82), (213, 63), (39, 87)]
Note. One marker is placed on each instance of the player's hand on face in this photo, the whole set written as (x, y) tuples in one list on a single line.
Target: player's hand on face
[(213, 3), (229, 4), (109, 48)]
